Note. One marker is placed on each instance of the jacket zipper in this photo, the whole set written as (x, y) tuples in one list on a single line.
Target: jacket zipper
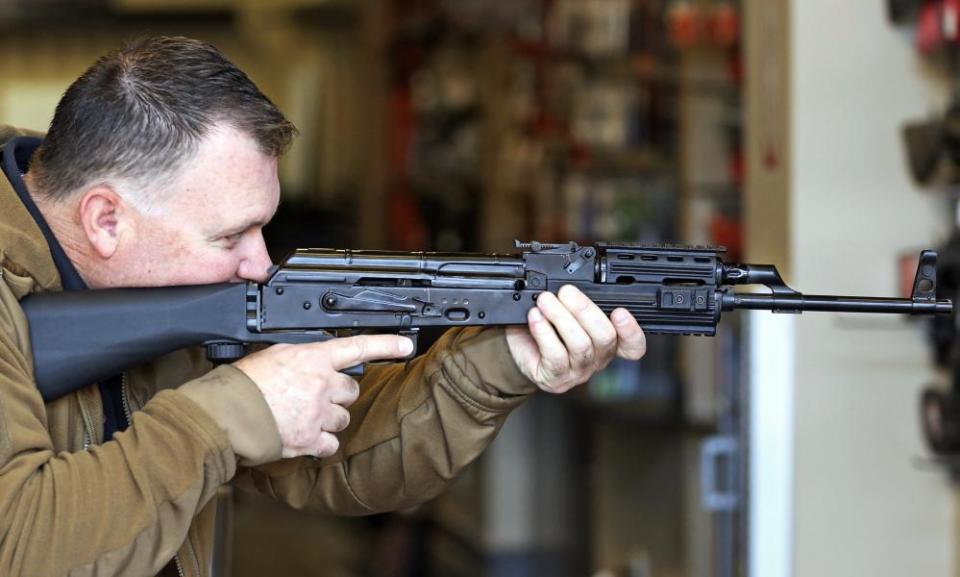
[(176, 560), (196, 560), (123, 398), (88, 434), (87, 429)]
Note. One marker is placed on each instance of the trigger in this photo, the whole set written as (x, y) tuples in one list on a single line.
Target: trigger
[(354, 371), (411, 334)]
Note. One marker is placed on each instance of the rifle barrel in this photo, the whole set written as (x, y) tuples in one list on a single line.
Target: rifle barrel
[(799, 303)]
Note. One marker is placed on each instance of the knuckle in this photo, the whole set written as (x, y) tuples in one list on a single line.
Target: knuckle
[(327, 444), (352, 389), (565, 388), (300, 356), (547, 300), (574, 299), (580, 347), (549, 381), (558, 386), (340, 348), (555, 356), (607, 337), (338, 421), (543, 329), (556, 365), (362, 345), (354, 348), (582, 351)]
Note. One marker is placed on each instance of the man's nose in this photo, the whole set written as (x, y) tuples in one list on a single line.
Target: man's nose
[(255, 261)]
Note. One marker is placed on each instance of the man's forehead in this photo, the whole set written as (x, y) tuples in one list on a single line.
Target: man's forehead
[(230, 182), (245, 215)]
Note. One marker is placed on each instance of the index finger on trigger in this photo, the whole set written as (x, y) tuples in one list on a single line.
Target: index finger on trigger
[(351, 351)]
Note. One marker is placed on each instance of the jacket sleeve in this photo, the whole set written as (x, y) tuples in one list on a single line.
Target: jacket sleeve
[(412, 430), (123, 507)]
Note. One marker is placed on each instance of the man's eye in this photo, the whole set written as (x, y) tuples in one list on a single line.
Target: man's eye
[(232, 239)]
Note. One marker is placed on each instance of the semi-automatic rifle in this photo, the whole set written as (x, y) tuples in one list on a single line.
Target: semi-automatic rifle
[(81, 337)]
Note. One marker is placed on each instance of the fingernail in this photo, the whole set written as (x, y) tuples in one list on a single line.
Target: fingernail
[(621, 317), (406, 346), (535, 315)]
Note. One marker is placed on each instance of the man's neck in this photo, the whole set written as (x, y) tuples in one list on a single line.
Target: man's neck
[(62, 219)]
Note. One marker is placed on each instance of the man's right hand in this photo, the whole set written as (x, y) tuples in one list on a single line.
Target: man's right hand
[(306, 391)]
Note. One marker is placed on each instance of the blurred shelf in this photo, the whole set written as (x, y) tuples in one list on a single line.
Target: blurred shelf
[(620, 161), (664, 70)]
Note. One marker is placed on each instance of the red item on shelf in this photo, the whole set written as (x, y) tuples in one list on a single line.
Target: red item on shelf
[(406, 229), (691, 25), (683, 21), (723, 25), (727, 232), (737, 167), (907, 264), (938, 25)]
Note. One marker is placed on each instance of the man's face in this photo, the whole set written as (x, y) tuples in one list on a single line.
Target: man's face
[(209, 228)]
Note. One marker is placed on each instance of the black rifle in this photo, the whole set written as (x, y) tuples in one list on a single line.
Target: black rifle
[(79, 338)]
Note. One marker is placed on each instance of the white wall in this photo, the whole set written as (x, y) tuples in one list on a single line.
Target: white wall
[(861, 505)]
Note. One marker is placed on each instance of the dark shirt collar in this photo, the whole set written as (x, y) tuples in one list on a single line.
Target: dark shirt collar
[(16, 160)]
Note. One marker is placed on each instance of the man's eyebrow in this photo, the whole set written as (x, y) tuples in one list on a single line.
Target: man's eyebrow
[(245, 226), (248, 224)]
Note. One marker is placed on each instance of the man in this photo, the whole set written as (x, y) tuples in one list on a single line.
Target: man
[(160, 168)]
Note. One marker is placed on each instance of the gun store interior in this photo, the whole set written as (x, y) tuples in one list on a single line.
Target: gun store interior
[(818, 136)]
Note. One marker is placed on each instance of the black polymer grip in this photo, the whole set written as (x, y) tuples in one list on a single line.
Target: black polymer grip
[(79, 338)]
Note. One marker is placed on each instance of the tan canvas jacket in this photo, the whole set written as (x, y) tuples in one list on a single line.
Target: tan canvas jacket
[(71, 504)]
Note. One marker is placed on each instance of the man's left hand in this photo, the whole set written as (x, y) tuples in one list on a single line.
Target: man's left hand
[(568, 339)]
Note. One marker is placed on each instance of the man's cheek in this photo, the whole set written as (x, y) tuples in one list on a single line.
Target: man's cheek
[(212, 271), (226, 272)]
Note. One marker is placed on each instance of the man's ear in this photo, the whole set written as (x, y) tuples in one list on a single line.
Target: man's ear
[(102, 217)]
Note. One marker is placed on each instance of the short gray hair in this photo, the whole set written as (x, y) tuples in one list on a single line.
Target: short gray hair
[(138, 113)]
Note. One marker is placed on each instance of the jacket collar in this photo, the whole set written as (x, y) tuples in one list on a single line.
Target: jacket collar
[(15, 162), (23, 248)]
